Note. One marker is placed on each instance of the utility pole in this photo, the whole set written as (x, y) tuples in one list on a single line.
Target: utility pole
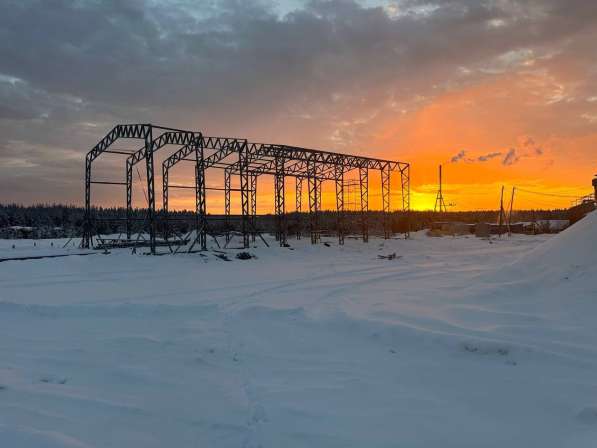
[(439, 200), (510, 213), (501, 221)]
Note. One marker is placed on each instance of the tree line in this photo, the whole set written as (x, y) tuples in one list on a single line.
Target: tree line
[(71, 217)]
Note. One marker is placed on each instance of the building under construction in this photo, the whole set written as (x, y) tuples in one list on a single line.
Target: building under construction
[(242, 163)]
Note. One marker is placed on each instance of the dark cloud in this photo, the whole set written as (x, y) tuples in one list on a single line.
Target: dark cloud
[(458, 157), (511, 157), (462, 157), (321, 74), (527, 148), (488, 157), (530, 147)]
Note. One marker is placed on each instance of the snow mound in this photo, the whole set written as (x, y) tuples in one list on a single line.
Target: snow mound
[(572, 251)]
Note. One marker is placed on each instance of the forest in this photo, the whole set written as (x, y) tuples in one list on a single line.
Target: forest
[(68, 220)]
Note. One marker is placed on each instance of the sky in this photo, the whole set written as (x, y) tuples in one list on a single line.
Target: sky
[(500, 92)]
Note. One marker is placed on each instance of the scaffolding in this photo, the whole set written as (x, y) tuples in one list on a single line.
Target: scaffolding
[(246, 162)]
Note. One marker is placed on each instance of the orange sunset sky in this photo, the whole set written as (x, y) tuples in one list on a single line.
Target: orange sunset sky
[(500, 92)]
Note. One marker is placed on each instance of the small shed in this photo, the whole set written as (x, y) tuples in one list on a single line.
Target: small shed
[(482, 230)]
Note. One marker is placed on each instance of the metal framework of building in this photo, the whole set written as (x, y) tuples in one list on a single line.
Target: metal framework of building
[(246, 161)]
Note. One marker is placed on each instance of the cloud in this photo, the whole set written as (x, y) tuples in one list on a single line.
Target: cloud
[(530, 147), (462, 157), (511, 157), (458, 157), (526, 148), (70, 69), (488, 157)]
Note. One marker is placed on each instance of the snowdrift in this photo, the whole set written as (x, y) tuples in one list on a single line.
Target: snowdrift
[(572, 251)]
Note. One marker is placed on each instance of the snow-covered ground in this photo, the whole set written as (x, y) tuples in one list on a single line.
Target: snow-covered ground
[(458, 342)]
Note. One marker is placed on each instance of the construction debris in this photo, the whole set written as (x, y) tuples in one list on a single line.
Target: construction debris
[(245, 256)]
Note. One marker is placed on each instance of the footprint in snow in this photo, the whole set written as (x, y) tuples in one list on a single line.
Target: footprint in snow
[(259, 415), (588, 415), (52, 379), (489, 350)]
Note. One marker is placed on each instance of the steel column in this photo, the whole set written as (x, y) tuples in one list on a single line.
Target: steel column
[(279, 202), (227, 185), (364, 186), (129, 198), (313, 202), (243, 158), (150, 188), (319, 182), (385, 199), (339, 174), (299, 206), (165, 204), (405, 186), (87, 229), (253, 199), (200, 195)]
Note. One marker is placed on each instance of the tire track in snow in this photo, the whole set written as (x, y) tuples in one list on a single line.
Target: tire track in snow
[(256, 414)]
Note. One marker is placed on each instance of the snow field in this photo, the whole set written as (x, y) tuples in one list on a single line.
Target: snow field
[(461, 342)]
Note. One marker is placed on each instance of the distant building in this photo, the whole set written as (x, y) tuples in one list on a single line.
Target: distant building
[(482, 230), (543, 226), (17, 232), (452, 228), (583, 205)]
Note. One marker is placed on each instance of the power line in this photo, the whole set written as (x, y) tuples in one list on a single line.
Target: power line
[(541, 193)]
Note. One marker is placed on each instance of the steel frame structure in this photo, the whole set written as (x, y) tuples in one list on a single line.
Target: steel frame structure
[(144, 132), (251, 160), (186, 138), (222, 147)]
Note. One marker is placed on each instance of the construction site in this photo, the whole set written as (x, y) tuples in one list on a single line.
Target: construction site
[(241, 164), (465, 316)]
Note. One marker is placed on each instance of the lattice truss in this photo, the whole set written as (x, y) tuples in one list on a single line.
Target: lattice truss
[(244, 162)]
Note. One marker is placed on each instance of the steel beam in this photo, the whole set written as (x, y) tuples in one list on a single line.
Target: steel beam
[(322, 157)]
